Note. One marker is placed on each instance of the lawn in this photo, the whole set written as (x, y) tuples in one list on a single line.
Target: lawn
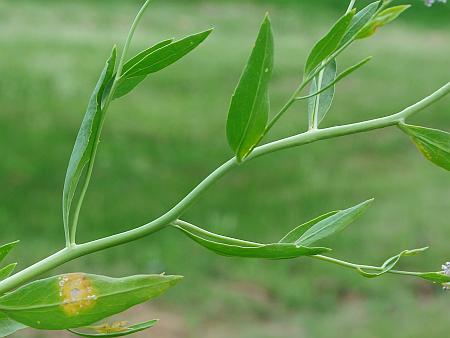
[(165, 137)]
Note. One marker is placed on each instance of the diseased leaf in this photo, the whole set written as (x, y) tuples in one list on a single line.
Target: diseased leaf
[(333, 224), (7, 271), (9, 326), (390, 263), (328, 44), (319, 105), (116, 330), (78, 299), (249, 108), (87, 137), (250, 249), (383, 18), (359, 21), (6, 248), (432, 143)]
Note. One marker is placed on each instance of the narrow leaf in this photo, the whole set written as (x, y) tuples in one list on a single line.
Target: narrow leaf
[(6, 248), (437, 277), (359, 21), (296, 233), (249, 108), (390, 263), (9, 326), (333, 224), (255, 250), (328, 44), (319, 105), (120, 330), (432, 143), (87, 137), (7, 271), (383, 18), (78, 299)]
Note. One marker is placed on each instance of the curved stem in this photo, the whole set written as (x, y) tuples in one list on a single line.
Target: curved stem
[(173, 214)]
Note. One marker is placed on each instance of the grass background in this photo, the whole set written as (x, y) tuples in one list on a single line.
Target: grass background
[(161, 140)]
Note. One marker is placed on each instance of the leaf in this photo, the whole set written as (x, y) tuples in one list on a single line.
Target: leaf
[(383, 18), (333, 224), (328, 44), (359, 21), (319, 105), (78, 299), (6, 248), (249, 108), (9, 326), (87, 137), (390, 263), (253, 250), (163, 55), (437, 277), (296, 233), (7, 271), (432, 143), (341, 76), (122, 331), (128, 84)]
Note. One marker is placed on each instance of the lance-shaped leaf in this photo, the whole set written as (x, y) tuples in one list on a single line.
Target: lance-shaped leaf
[(78, 299), (87, 137), (432, 143), (381, 19), (7, 271), (155, 59), (390, 263), (227, 246), (437, 277), (328, 44), (9, 326), (358, 22), (127, 84), (319, 105), (333, 224), (6, 248), (119, 329), (249, 108)]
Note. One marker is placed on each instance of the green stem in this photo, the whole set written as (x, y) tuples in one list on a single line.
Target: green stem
[(73, 230), (173, 214)]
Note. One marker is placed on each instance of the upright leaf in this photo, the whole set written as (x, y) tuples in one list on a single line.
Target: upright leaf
[(319, 105), (78, 299), (9, 326), (383, 18), (249, 108), (432, 143), (333, 224), (359, 21), (7, 270), (328, 44), (87, 137), (116, 330), (6, 248)]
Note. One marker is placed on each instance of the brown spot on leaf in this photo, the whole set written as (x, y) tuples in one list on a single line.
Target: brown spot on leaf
[(76, 292)]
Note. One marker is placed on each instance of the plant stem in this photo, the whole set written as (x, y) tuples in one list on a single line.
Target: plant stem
[(73, 230), (350, 6), (173, 214)]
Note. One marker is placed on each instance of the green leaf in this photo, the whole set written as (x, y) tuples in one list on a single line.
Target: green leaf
[(249, 108), (127, 84), (7, 270), (319, 105), (383, 18), (9, 326), (328, 44), (437, 277), (106, 330), (87, 137), (78, 299), (390, 263), (333, 224), (6, 248), (296, 233), (250, 249), (162, 55), (359, 21), (432, 143)]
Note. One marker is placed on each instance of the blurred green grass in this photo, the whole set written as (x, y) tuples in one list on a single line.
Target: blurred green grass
[(160, 141)]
